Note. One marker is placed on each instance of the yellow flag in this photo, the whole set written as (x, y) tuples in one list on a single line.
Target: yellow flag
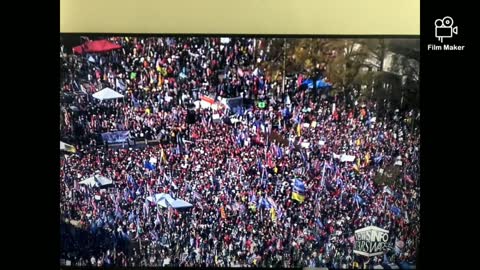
[(299, 130), (222, 213), (358, 142), (68, 148), (163, 156), (273, 214), (367, 158), (356, 168), (298, 197)]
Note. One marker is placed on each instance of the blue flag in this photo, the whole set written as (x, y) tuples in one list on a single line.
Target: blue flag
[(358, 199), (339, 182), (149, 166), (395, 210), (264, 203), (319, 222), (299, 186), (279, 152), (377, 159)]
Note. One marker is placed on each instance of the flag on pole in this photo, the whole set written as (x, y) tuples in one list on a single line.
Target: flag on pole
[(67, 148), (298, 193), (356, 167), (299, 185), (299, 130), (279, 152), (149, 165), (298, 196), (367, 158), (358, 199), (395, 210), (222, 213), (163, 156), (273, 214), (146, 209), (323, 173)]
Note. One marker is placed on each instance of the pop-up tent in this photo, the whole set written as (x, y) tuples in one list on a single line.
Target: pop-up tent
[(162, 199), (179, 203), (107, 93), (96, 46), (96, 181), (166, 201)]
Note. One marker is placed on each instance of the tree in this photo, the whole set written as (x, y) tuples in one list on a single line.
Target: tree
[(377, 50), (349, 60), (301, 56), (346, 63)]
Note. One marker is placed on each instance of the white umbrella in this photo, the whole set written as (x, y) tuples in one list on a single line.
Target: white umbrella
[(107, 93)]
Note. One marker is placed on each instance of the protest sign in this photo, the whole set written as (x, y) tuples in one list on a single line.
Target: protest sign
[(347, 158), (370, 241), (115, 137), (305, 144)]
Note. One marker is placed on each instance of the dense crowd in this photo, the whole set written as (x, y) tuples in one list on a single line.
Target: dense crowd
[(238, 176)]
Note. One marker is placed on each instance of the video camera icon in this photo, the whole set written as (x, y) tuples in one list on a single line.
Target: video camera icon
[(444, 29)]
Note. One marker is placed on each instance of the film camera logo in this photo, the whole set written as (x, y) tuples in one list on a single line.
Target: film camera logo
[(444, 28)]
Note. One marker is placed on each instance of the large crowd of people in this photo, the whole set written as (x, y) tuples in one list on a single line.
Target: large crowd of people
[(238, 175)]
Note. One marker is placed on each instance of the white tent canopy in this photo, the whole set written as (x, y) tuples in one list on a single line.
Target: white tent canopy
[(96, 181), (165, 201), (162, 199), (179, 203), (107, 93)]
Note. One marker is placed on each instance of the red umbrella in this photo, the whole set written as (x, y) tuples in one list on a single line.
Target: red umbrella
[(97, 46)]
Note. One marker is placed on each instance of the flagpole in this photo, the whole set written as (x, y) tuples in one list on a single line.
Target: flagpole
[(323, 174)]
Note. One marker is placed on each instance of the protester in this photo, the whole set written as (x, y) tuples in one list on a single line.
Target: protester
[(240, 177)]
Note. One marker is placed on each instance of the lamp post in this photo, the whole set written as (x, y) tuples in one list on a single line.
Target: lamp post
[(284, 62)]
